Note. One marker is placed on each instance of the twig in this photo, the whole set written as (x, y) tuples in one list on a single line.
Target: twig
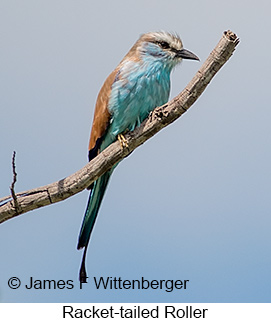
[(160, 118), (12, 187)]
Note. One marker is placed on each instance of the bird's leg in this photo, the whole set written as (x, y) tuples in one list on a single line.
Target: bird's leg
[(123, 142)]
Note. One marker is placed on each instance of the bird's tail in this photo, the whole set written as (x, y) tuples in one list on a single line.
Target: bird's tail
[(94, 202)]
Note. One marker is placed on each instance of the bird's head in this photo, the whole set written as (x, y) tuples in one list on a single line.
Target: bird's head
[(161, 47)]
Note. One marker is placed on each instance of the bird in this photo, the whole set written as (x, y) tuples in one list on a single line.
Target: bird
[(139, 84)]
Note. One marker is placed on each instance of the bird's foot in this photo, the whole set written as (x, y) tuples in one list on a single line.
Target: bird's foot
[(158, 113), (123, 142)]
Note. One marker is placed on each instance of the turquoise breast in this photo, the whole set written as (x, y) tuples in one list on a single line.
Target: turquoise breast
[(137, 90)]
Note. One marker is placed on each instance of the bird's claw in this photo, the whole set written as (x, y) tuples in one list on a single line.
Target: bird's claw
[(123, 141)]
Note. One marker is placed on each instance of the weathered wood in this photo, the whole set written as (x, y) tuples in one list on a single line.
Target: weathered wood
[(160, 118)]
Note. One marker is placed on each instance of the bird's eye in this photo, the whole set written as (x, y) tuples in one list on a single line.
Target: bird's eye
[(163, 44)]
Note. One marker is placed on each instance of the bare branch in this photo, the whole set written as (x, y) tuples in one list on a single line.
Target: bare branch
[(12, 187), (160, 118)]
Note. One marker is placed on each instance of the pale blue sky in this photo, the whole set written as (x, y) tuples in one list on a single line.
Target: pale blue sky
[(192, 203)]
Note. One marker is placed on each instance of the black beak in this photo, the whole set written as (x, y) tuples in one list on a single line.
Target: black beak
[(186, 54)]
